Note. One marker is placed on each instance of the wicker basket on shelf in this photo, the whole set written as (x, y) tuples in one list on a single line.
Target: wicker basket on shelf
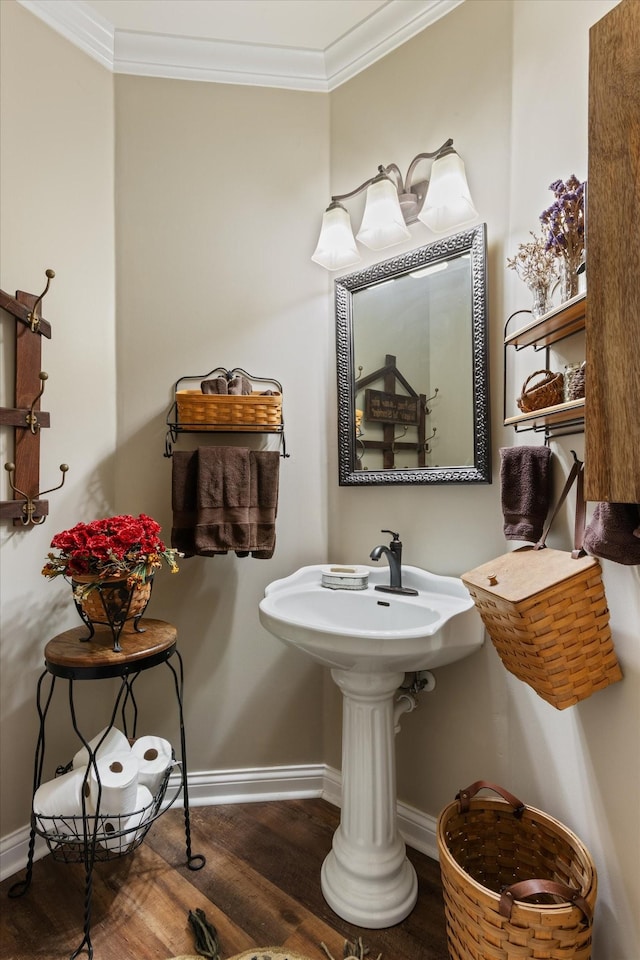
[(255, 411), (546, 393)]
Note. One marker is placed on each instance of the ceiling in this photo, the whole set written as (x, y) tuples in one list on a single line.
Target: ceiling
[(296, 44)]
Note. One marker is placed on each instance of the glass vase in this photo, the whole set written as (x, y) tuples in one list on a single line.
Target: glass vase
[(569, 263), (541, 294)]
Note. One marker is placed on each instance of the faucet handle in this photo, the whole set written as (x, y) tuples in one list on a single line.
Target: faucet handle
[(396, 536)]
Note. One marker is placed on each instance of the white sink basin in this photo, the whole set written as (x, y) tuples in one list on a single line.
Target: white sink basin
[(370, 631)]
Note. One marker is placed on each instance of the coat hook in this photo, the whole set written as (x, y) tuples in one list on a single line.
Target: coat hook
[(427, 449), (426, 403), (398, 437), (32, 416), (34, 320), (30, 504)]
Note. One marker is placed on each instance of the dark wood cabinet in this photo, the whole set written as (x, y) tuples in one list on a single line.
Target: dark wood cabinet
[(612, 415)]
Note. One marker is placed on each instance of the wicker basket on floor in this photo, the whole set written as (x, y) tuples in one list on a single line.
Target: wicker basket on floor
[(494, 853)]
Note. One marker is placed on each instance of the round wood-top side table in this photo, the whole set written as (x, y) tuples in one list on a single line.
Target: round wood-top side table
[(73, 657)]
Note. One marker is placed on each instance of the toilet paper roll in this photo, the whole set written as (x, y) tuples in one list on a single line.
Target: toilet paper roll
[(154, 755), (59, 798), (118, 776), (119, 834), (114, 742)]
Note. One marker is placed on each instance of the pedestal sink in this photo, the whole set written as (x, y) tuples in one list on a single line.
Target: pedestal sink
[(369, 639)]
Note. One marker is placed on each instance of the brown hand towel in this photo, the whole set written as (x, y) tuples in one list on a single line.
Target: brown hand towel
[(611, 533), (184, 495), (265, 475), (223, 500), (525, 479), (239, 386), (217, 385)]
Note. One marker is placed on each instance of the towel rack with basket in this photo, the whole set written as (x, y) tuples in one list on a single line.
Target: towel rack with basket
[(194, 411)]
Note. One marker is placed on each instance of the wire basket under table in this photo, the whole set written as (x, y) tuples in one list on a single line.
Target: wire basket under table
[(68, 837)]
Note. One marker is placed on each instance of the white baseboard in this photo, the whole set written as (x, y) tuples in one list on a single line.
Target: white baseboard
[(245, 786), (418, 830), (14, 850)]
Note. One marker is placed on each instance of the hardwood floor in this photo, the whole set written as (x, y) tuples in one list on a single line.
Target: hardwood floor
[(260, 887)]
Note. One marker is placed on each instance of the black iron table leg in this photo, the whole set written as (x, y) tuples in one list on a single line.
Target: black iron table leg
[(90, 835), (194, 861), (21, 887)]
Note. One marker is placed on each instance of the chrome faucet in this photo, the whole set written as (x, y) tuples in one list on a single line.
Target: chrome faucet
[(393, 553)]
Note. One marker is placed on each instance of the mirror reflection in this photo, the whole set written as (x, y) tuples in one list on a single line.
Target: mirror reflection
[(412, 366)]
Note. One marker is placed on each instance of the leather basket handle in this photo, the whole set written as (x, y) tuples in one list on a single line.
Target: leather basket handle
[(464, 796), (529, 888), (575, 474)]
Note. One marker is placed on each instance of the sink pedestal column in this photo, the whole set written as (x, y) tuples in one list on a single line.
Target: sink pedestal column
[(366, 878)]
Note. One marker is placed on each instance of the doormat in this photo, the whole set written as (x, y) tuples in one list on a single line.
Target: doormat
[(263, 953), (206, 937), (352, 951)]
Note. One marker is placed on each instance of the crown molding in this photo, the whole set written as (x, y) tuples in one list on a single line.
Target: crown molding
[(78, 23), (387, 29), (218, 61)]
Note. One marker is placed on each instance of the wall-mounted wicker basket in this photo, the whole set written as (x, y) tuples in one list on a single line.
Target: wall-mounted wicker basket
[(195, 411), (255, 412)]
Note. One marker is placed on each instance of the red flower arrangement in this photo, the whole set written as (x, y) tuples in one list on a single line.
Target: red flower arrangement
[(124, 546)]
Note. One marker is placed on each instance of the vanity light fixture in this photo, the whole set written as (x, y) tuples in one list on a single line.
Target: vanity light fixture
[(441, 203)]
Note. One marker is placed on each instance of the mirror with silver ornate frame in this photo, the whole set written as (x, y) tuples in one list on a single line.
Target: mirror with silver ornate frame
[(412, 357)]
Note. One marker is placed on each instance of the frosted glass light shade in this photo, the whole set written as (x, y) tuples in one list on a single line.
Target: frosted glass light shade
[(382, 224), (448, 203), (336, 246)]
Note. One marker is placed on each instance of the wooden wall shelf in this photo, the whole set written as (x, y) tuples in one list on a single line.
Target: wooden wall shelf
[(563, 321)]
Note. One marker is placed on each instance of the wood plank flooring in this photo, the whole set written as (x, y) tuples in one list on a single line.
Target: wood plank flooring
[(260, 887)]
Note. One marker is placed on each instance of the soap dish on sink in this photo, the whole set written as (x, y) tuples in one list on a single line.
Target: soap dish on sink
[(345, 577)]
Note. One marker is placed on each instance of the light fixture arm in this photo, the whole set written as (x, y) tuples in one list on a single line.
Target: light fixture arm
[(363, 186), (395, 169), (402, 185), (447, 147)]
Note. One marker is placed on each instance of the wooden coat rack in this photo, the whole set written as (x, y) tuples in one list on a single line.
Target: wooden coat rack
[(392, 409), (27, 507)]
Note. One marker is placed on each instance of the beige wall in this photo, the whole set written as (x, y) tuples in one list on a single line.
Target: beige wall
[(56, 170), (207, 277), (216, 192)]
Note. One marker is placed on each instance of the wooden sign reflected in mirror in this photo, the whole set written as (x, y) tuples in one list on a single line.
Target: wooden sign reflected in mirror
[(413, 392)]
